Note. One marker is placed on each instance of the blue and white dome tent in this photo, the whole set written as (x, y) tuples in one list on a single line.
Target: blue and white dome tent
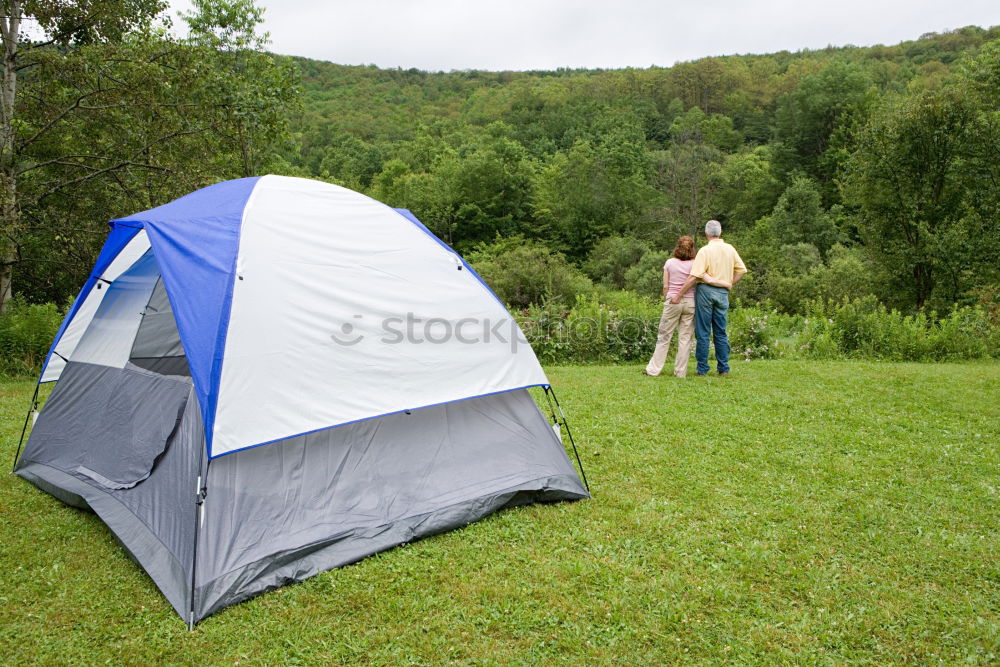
[(271, 377)]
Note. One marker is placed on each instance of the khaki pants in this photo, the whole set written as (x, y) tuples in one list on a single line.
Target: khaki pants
[(675, 316)]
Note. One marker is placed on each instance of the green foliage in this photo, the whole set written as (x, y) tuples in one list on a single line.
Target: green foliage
[(811, 121), (745, 188), (618, 326), (865, 328), (612, 326), (924, 179), (26, 332), (524, 273), (751, 334), (593, 190), (695, 126), (799, 218), (465, 194), (646, 277), (131, 117), (611, 259)]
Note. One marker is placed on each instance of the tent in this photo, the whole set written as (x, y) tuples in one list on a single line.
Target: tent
[(272, 377)]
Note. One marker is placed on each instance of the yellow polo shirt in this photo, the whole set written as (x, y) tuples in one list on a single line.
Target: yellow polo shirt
[(719, 260)]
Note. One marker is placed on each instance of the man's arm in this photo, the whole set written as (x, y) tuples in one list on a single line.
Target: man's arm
[(739, 268), (699, 267), (688, 284)]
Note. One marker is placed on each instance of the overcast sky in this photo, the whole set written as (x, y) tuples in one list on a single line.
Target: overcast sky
[(546, 34)]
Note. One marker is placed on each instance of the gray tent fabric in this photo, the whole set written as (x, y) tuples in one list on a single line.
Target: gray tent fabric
[(109, 424), (157, 345), (284, 512), (154, 519), (330, 498)]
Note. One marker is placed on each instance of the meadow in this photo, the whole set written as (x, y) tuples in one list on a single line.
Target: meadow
[(816, 512)]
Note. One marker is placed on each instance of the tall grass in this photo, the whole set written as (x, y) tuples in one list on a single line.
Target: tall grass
[(616, 326), (26, 332)]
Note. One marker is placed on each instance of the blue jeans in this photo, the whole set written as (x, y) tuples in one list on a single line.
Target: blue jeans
[(711, 306)]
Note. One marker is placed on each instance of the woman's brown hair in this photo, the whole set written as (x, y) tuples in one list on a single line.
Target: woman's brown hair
[(685, 248)]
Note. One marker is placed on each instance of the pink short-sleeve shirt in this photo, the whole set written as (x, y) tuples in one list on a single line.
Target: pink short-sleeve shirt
[(677, 271)]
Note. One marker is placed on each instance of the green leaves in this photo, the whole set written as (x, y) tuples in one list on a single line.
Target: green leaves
[(129, 118), (922, 174)]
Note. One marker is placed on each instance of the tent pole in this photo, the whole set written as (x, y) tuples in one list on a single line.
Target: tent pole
[(201, 490), (24, 430), (569, 434)]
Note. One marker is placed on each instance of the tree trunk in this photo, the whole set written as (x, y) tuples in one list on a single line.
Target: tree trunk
[(10, 27)]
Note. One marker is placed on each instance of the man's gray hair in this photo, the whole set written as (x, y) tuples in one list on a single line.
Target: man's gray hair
[(713, 229)]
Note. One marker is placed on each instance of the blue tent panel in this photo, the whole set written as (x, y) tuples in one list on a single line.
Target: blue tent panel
[(196, 241)]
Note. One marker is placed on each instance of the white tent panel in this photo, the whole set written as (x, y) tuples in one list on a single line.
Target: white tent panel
[(109, 338), (135, 249), (344, 310)]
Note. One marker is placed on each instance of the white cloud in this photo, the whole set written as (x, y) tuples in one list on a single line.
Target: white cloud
[(546, 34)]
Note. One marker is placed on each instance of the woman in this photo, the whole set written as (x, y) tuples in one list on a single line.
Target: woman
[(679, 316)]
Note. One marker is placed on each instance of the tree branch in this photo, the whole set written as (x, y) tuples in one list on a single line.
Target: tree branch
[(130, 162), (62, 114)]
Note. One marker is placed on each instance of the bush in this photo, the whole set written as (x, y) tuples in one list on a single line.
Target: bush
[(525, 273), (751, 335), (26, 333), (866, 329), (608, 326), (646, 277), (620, 326), (611, 258)]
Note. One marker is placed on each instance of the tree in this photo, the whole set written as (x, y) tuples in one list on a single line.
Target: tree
[(745, 188), (813, 122), (698, 127), (64, 24), (798, 217), (925, 188), (685, 174), (612, 257), (112, 114), (524, 272), (592, 190)]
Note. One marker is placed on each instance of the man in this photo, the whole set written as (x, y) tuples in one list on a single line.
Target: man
[(718, 259)]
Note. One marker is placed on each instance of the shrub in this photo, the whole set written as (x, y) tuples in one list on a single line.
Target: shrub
[(525, 273), (607, 326), (646, 277), (611, 258), (751, 335), (26, 332), (865, 328)]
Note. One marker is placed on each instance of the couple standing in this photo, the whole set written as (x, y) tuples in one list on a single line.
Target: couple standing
[(713, 272)]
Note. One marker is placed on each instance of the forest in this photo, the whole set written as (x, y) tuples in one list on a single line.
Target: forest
[(853, 180), (838, 173)]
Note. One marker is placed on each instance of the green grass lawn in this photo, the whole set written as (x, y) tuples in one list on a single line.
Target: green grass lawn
[(795, 512)]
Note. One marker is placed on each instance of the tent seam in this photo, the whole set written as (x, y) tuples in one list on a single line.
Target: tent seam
[(385, 414), (215, 378)]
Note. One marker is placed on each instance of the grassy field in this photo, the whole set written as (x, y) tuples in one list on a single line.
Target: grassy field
[(814, 513)]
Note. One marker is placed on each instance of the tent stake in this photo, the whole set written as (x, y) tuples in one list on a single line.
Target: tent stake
[(24, 430), (569, 433)]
